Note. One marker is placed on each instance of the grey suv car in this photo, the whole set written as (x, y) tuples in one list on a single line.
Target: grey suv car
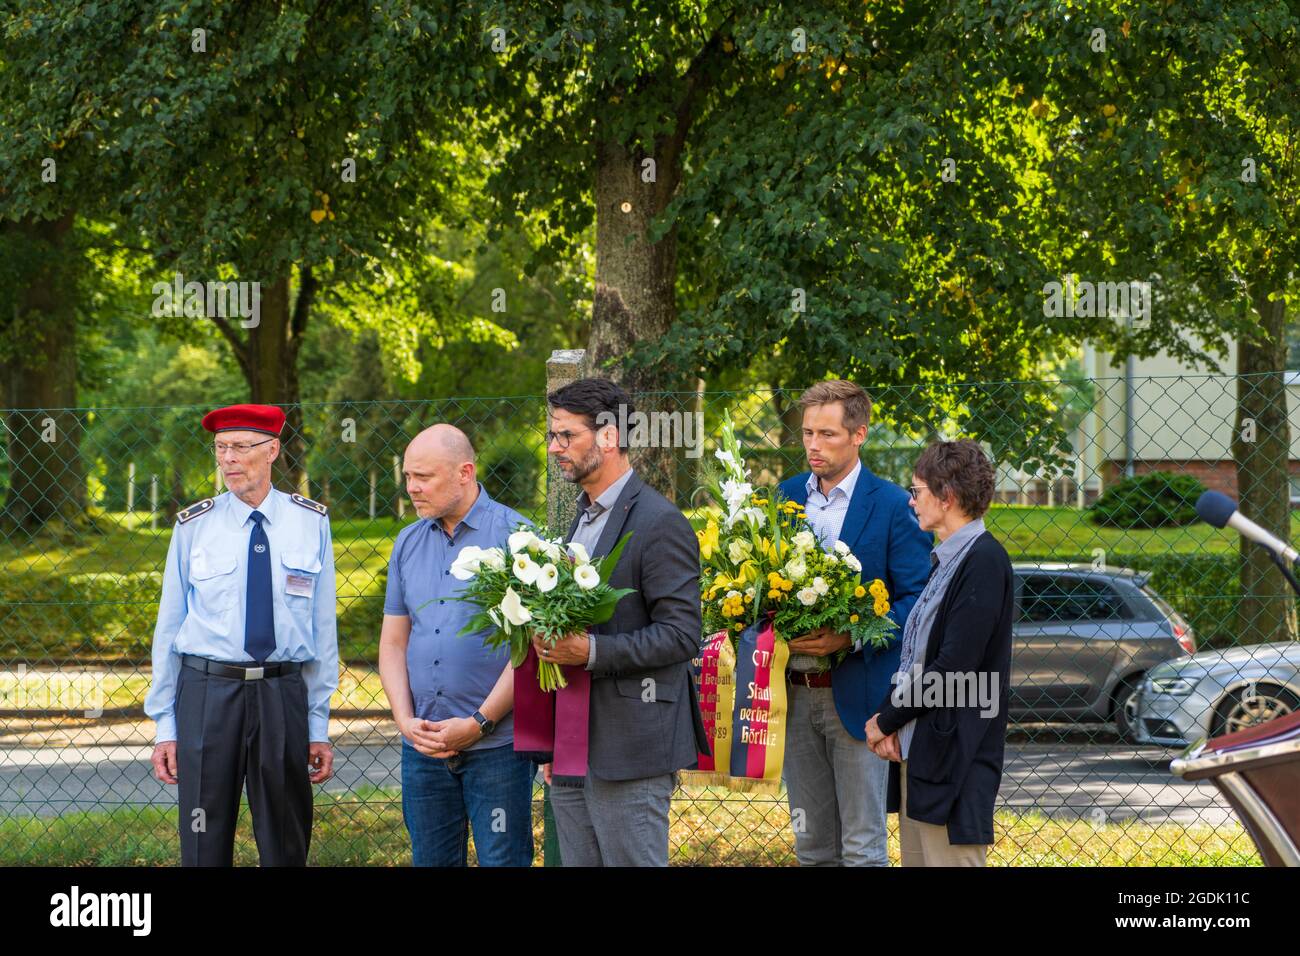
[(1084, 640)]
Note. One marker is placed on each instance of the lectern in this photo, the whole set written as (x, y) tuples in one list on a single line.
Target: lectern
[(1258, 770)]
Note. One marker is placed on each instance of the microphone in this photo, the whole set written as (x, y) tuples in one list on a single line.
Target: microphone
[(1221, 511)]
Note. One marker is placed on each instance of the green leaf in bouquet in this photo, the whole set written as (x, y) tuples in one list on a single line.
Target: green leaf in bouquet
[(519, 651), (476, 623), (603, 610), (610, 561)]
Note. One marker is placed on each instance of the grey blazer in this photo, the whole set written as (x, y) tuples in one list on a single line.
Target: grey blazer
[(645, 713)]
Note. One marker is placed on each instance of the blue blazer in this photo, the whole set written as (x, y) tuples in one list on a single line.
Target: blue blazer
[(880, 529)]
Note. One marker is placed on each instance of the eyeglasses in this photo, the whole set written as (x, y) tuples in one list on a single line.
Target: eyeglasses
[(562, 438), (239, 448), (916, 490)]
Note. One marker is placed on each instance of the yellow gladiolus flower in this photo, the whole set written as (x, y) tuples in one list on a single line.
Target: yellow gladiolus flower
[(708, 539)]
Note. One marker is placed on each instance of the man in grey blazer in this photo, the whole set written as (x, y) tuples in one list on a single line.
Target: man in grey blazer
[(645, 720)]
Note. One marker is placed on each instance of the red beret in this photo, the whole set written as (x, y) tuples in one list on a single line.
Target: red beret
[(253, 418)]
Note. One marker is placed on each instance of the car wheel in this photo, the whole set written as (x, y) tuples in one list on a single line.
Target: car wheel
[(1240, 710), (1123, 708)]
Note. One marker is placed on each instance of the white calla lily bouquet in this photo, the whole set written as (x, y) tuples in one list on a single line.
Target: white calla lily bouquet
[(537, 585)]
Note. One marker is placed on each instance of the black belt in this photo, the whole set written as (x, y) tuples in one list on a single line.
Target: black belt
[(241, 671), (810, 678)]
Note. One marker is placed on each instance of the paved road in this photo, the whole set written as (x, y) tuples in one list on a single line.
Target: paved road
[(1105, 784)]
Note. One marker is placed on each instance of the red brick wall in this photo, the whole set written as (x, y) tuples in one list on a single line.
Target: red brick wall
[(1215, 475)]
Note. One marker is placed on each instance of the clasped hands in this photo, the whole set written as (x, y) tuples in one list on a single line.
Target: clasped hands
[(885, 746), (441, 738)]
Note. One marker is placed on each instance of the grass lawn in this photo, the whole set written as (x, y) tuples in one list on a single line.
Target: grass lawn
[(709, 827)]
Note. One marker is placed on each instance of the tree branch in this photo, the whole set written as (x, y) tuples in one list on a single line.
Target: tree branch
[(237, 346)]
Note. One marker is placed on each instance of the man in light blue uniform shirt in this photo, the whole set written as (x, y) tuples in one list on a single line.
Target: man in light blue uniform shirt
[(245, 653), (452, 698)]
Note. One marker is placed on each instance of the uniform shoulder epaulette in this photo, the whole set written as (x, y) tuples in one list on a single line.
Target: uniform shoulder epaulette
[(194, 510), (315, 506)]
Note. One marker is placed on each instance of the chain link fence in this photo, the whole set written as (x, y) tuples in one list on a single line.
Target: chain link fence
[(1117, 585)]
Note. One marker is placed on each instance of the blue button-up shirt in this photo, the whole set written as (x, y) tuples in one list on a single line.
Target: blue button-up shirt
[(826, 515), (449, 675), (202, 609)]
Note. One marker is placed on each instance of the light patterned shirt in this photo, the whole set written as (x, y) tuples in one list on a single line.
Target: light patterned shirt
[(826, 512), (945, 558)]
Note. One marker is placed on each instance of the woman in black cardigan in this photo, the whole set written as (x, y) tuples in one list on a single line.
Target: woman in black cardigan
[(944, 724)]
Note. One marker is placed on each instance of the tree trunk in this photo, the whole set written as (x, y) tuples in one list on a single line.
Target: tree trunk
[(635, 297), (47, 478), (271, 367), (1266, 611)]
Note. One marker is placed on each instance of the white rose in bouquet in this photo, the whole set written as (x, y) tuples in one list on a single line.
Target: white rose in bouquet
[(807, 596)]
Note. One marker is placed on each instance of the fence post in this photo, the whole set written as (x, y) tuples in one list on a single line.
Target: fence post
[(564, 366), (130, 487), (374, 480), (397, 483), (153, 501)]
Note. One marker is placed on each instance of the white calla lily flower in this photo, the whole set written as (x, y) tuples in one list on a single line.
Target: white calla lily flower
[(586, 576), (548, 576), (512, 606), (520, 540), (525, 569)]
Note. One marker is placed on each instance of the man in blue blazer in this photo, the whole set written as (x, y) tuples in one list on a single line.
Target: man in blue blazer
[(835, 783)]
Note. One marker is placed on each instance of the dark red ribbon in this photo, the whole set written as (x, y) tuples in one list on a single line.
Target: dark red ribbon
[(553, 725)]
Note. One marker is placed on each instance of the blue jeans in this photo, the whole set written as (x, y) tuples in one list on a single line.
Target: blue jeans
[(490, 790)]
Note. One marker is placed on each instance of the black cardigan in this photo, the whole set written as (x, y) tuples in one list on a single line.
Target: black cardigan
[(954, 765)]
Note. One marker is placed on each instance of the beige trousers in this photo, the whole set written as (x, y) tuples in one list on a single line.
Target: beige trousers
[(926, 844)]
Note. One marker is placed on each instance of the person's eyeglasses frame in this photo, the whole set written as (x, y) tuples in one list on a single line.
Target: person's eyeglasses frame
[(240, 449), (553, 436)]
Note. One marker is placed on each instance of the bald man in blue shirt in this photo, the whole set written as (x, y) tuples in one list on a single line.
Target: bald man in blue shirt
[(452, 698)]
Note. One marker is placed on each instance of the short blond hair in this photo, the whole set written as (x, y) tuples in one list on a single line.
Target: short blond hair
[(853, 399)]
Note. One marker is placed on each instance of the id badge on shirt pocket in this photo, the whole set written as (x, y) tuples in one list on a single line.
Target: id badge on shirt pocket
[(300, 572)]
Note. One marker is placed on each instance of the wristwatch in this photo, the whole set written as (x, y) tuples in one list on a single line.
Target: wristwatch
[(484, 725)]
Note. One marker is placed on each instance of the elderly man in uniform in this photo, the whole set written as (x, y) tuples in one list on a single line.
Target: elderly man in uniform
[(245, 653)]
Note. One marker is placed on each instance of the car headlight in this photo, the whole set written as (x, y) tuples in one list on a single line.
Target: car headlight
[(1174, 686)]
